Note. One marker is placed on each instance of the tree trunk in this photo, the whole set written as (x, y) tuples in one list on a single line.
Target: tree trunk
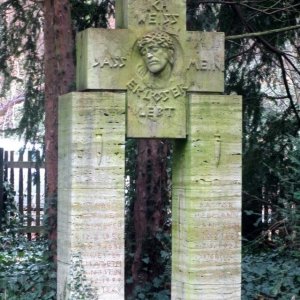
[(149, 212), (59, 78)]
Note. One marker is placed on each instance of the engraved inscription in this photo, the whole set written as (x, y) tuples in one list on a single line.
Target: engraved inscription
[(205, 65), (105, 273), (218, 257), (110, 290), (159, 14), (156, 94), (148, 94), (110, 61), (156, 104), (162, 19), (156, 112), (213, 213), (218, 244)]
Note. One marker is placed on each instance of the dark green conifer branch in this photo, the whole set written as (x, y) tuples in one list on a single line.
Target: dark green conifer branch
[(21, 63)]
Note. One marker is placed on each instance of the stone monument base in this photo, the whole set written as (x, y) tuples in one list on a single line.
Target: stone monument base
[(206, 204), (91, 195)]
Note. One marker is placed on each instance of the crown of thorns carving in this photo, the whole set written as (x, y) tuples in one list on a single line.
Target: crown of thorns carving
[(156, 38)]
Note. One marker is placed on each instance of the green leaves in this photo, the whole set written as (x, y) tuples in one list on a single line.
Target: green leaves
[(25, 271), (26, 274), (21, 65), (78, 286), (146, 260), (86, 14), (272, 274), (296, 196)]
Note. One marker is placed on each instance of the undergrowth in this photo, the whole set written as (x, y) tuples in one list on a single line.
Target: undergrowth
[(26, 272)]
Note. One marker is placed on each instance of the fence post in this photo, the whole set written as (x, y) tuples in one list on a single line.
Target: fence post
[(5, 168), (1, 186), (21, 189), (12, 170), (29, 196), (38, 190)]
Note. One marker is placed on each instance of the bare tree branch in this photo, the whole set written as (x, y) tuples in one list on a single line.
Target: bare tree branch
[(262, 40), (280, 54), (241, 53), (261, 33), (276, 97), (286, 84), (268, 10)]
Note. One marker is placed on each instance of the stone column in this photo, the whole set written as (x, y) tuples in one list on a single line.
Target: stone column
[(91, 196), (206, 248)]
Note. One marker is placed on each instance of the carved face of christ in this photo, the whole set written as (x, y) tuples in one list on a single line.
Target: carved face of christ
[(156, 58), (157, 49)]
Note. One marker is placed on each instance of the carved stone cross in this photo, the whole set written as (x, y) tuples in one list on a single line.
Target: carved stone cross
[(150, 78), (156, 60)]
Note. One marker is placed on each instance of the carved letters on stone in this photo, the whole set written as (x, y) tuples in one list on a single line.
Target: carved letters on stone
[(157, 90), (153, 68)]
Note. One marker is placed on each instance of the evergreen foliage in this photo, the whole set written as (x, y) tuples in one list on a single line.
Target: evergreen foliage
[(95, 14), (25, 270), (21, 63), (271, 262), (270, 275), (22, 55)]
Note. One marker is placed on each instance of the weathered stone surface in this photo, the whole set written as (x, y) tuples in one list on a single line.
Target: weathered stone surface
[(204, 61), (156, 75), (104, 58), (110, 59), (115, 60), (91, 193), (206, 249), (167, 15), (157, 113), (156, 63)]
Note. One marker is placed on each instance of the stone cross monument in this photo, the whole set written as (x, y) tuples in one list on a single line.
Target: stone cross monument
[(150, 78)]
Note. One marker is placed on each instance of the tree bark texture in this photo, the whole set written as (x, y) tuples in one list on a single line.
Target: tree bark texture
[(59, 78), (149, 212)]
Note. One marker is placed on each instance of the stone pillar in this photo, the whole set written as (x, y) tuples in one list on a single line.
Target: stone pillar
[(91, 196), (206, 246)]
